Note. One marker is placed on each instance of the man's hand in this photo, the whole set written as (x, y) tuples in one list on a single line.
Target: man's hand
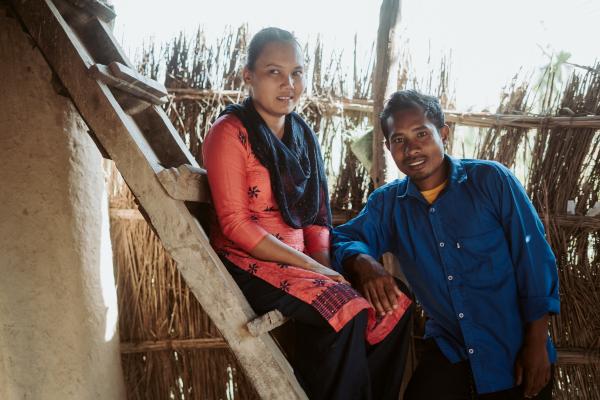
[(374, 282), (532, 368)]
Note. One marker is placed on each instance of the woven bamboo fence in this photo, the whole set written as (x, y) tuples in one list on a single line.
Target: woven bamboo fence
[(170, 348)]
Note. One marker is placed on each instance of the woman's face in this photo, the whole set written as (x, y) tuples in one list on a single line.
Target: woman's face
[(277, 80)]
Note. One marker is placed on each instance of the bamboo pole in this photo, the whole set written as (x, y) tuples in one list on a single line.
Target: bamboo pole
[(340, 105)]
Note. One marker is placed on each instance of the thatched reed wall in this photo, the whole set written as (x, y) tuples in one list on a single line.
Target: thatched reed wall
[(190, 361)]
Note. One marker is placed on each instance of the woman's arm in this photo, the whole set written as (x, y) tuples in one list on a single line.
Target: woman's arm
[(317, 243), (225, 158)]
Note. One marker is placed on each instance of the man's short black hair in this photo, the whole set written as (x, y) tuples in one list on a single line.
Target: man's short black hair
[(409, 99)]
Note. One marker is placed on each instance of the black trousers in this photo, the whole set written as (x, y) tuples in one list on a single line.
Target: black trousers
[(437, 378), (333, 365)]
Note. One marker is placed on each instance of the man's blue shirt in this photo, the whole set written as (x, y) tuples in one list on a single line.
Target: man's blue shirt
[(477, 260)]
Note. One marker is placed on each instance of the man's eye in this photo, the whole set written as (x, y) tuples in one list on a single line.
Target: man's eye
[(398, 139), (422, 134), (274, 71), (298, 73)]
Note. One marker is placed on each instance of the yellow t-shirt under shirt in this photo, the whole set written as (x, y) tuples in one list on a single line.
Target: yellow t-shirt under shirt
[(432, 194)]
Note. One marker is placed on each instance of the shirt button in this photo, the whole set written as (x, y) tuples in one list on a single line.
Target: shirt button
[(432, 210), (450, 277), (461, 315), (471, 351), (442, 244), (457, 245)]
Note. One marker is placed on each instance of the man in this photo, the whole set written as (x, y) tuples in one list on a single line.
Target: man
[(473, 249)]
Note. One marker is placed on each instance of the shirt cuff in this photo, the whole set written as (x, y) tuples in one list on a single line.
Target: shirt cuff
[(347, 250), (534, 308)]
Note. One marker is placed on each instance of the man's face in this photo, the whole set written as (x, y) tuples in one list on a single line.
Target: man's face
[(417, 147)]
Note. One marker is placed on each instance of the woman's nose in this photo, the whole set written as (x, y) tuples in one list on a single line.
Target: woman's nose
[(288, 80)]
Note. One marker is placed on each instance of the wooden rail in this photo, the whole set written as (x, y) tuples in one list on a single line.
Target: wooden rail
[(330, 105)]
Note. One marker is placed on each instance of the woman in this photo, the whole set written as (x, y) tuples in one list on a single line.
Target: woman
[(270, 196)]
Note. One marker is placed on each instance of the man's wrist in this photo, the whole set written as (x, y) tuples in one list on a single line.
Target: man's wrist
[(536, 332), (358, 263)]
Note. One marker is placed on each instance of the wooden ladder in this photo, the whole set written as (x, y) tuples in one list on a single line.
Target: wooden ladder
[(123, 111)]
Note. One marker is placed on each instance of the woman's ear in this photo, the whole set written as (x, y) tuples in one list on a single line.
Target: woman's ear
[(247, 75)]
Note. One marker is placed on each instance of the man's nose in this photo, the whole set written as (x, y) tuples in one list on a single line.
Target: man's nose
[(411, 148)]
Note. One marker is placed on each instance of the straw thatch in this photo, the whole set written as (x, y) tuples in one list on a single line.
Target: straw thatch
[(562, 164), (171, 349)]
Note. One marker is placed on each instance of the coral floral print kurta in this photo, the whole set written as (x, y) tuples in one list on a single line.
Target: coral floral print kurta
[(246, 211)]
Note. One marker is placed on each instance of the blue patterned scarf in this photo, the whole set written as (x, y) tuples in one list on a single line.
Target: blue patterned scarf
[(294, 163)]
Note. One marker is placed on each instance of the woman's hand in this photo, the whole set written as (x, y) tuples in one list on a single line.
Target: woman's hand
[(314, 266)]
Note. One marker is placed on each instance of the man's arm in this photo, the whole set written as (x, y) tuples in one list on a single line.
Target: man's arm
[(533, 366), (356, 247), (537, 281)]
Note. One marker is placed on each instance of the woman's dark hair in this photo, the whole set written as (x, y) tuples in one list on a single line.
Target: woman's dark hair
[(263, 38), (409, 99)]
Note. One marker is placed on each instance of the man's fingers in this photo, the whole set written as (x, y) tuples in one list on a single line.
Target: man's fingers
[(391, 295), (528, 380), (518, 373), (368, 297), (533, 382), (383, 298), (375, 300)]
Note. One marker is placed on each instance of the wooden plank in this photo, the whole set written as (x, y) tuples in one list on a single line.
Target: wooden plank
[(266, 323), (77, 15), (180, 233), (126, 213), (186, 183), (97, 8), (577, 356), (338, 105), (488, 120), (145, 84), (106, 48), (175, 344), (104, 74), (163, 137)]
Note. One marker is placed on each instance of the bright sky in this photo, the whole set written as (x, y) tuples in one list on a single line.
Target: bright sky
[(489, 40)]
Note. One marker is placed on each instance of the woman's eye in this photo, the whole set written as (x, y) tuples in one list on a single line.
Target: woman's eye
[(298, 73), (422, 134), (274, 71), (398, 139)]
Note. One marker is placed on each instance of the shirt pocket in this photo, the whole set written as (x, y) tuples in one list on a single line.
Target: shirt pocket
[(484, 257)]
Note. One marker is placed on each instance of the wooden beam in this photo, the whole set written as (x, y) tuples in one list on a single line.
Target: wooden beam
[(130, 86), (573, 221), (266, 323), (339, 105), (577, 356), (174, 344), (97, 8), (138, 80), (132, 214), (564, 221), (487, 120), (186, 183)]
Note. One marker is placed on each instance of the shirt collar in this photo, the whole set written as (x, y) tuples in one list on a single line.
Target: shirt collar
[(457, 175)]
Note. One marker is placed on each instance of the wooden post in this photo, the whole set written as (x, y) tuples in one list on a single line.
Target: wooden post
[(385, 82), (385, 78)]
